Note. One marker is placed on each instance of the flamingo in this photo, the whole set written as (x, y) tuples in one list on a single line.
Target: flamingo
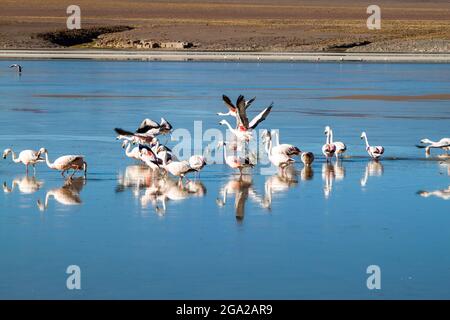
[(27, 157), (374, 152), (280, 160), (197, 163), (18, 67), (244, 128), (443, 194), (443, 144), (149, 158), (65, 163), (131, 153), (287, 149), (328, 149), (177, 168), (150, 127), (232, 110), (340, 146), (234, 161), (307, 158)]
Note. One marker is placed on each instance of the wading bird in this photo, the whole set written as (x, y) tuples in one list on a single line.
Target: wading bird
[(328, 149), (307, 158), (27, 157), (197, 163), (280, 159), (65, 163), (234, 161), (443, 144), (340, 146), (374, 151), (285, 148)]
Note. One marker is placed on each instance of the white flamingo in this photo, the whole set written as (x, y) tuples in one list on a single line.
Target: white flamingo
[(280, 160), (234, 161), (443, 194), (177, 168), (340, 146), (27, 157), (443, 144), (374, 152), (131, 153), (328, 149), (65, 163), (197, 163), (285, 148)]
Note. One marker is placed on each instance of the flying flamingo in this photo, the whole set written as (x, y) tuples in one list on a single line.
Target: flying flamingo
[(328, 149), (65, 163), (245, 128), (27, 157), (340, 146), (232, 110), (374, 151), (443, 144), (234, 161)]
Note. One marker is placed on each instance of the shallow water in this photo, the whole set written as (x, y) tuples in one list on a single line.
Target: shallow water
[(311, 235)]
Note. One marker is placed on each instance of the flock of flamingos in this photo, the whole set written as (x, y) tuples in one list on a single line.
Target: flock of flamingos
[(144, 146)]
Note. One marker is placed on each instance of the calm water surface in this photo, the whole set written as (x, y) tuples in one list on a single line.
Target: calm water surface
[(311, 235)]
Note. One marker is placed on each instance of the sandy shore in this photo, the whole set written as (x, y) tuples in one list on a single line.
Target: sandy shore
[(411, 26), (220, 56)]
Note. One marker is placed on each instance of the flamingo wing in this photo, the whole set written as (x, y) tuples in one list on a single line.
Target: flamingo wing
[(228, 103), (249, 102), (241, 114), (260, 117), (146, 125)]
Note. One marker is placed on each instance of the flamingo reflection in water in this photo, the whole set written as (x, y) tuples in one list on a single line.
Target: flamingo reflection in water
[(164, 189), (152, 188), (26, 185), (330, 173), (278, 184), (374, 168), (241, 187), (442, 194), (67, 195)]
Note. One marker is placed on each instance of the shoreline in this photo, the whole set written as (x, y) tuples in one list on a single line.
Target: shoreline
[(135, 55)]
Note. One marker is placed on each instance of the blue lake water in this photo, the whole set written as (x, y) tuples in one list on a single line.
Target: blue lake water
[(311, 235)]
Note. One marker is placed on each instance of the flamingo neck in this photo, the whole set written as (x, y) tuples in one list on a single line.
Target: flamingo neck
[(274, 134), (367, 142), (14, 158), (228, 125), (49, 164), (127, 150), (331, 136)]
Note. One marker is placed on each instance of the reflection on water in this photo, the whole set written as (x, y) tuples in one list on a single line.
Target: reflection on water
[(241, 187), (443, 194), (373, 169), (67, 195), (278, 183), (307, 173), (26, 185), (331, 172), (152, 188)]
